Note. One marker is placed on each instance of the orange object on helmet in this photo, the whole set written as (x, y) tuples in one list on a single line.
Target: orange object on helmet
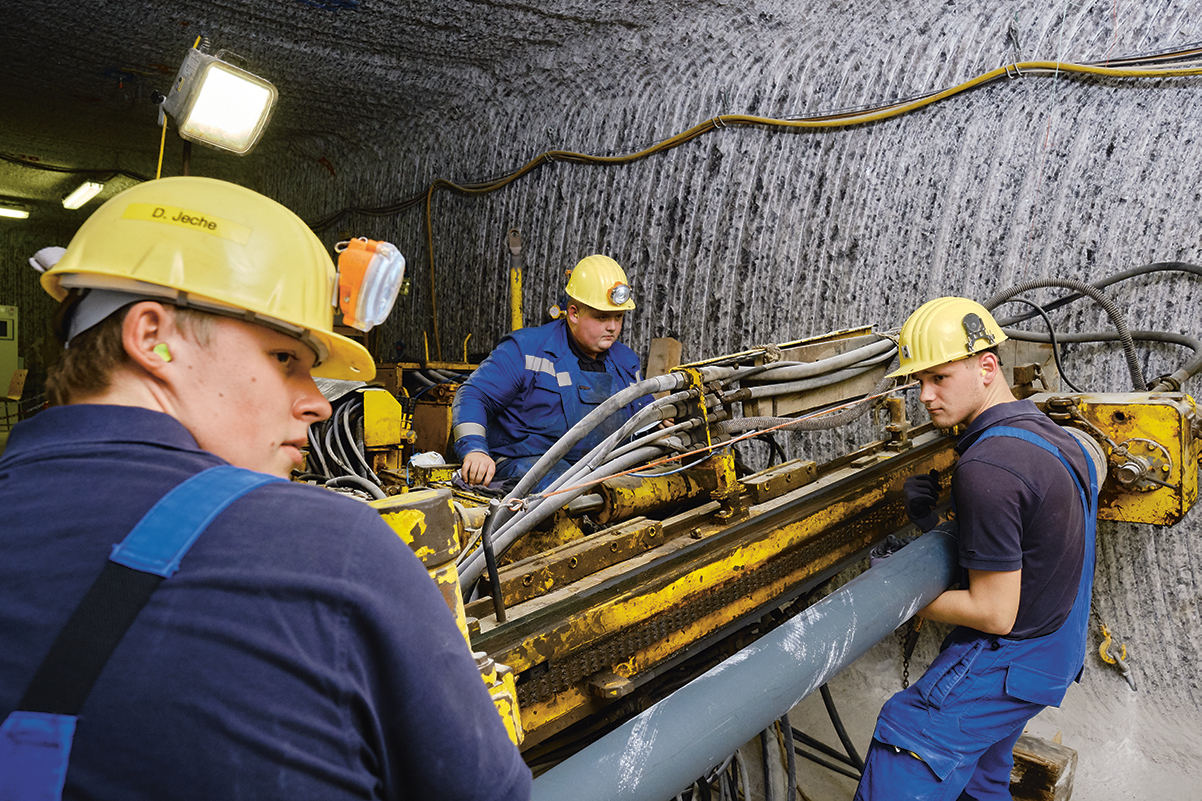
[(219, 247), (369, 276)]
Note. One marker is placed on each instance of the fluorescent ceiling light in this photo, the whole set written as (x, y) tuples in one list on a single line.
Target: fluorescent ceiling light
[(218, 104), (16, 214), (82, 194)]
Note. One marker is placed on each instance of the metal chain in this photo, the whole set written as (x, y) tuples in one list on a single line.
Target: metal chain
[(908, 638)]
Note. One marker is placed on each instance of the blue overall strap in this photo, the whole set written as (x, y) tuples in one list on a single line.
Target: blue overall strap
[(1089, 495), (35, 741)]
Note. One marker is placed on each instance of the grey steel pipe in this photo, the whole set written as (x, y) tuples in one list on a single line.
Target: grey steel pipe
[(660, 752)]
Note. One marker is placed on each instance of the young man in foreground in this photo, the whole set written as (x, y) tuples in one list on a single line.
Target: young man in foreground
[(1025, 499), (301, 651)]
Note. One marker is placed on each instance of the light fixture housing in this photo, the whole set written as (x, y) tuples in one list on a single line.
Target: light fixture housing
[(82, 194), (13, 212), (217, 104)]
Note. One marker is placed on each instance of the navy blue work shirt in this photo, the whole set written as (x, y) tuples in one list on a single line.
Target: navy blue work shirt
[(1019, 509), (301, 652)]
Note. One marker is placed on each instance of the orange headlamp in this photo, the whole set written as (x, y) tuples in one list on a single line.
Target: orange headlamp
[(369, 276)]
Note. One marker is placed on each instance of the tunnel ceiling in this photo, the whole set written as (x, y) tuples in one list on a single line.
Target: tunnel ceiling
[(79, 77)]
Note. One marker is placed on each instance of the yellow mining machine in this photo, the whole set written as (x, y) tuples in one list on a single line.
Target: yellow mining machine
[(660, 554)]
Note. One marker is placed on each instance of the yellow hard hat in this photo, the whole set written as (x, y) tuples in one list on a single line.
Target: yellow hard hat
[(218, 247), (945, 330), (599, 281)]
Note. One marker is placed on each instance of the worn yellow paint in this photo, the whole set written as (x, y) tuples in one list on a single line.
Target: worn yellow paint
[(446, 577), (1136, 421), (502, 688), (409, 524), (550, 712), (628, 611), (625, 611)]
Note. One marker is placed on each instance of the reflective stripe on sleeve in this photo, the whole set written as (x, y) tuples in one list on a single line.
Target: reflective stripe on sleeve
[(468, 429)]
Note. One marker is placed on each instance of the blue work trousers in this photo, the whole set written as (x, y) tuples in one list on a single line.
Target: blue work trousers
[(963, 703)]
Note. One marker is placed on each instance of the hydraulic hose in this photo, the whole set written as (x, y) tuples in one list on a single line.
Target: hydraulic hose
[(1170, 383), (357, 446), (1051, 338), (807, 384), (1112, 311), (594, 464), (660, 383), (820, 423), (596, 456), (793, 371), (508, 533), (1146, 269), (650, 413), (358, 482), (664, 436), (786, 730), (421, 379), (766, 763), (829, 701)]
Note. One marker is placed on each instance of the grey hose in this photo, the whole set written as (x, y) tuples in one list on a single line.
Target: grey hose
[(1112, 311), (357, 451), (807, 384), (358, 482), (588, 462), (1146, 269), (663, 436), (593, 464), (660, 383), (421, 379), (652, 412), (508, 533), (795, 371), (1170, 383), (821, 423)]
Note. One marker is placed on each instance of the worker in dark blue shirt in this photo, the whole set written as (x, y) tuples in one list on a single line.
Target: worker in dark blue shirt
[(539, 382), (298, 649), (1025, 497)]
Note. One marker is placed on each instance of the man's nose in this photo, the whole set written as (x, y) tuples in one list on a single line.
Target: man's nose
[(311, 404)]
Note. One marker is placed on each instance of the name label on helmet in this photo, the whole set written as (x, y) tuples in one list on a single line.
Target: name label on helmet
[(191, 220)]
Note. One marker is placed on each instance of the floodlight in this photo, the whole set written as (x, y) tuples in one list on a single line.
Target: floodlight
[(82, 194), (217, 104), (15, 213)]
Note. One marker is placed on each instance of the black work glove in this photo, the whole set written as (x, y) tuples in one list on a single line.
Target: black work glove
[(922, 493)]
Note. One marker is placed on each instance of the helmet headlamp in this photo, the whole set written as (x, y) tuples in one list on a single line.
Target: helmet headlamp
[(619, 294), (369, 277)]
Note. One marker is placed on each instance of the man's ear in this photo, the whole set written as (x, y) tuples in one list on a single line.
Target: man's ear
[(149, 334), (990, 366), (573, 312)]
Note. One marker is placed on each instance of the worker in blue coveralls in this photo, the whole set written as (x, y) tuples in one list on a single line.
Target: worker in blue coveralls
[(1024, 495), (248, 637), (539, 382)]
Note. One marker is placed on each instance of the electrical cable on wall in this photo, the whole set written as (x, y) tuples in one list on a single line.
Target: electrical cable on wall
[(1176, 63)]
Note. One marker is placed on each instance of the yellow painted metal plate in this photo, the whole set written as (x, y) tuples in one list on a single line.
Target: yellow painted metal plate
[(381, 419)]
